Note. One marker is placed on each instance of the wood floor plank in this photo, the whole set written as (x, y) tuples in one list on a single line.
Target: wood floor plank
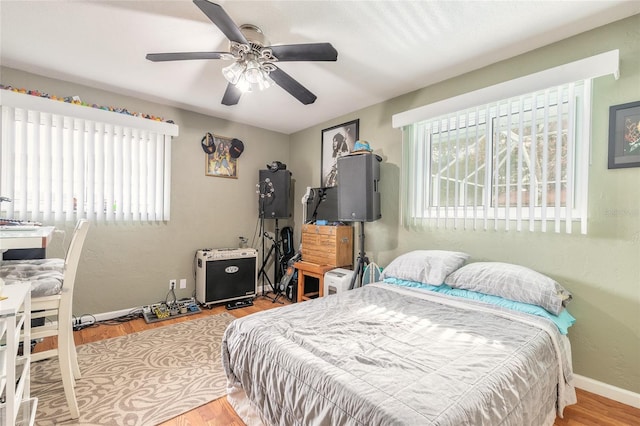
[(591, 409)]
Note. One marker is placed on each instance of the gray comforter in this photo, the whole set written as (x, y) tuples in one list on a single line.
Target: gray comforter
[(383, 355)]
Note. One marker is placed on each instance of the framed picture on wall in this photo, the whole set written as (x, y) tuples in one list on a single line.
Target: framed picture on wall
[(624, 135), (221, 163), (336, 142)]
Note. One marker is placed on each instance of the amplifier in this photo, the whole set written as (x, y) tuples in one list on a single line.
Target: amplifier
[(225, 274)]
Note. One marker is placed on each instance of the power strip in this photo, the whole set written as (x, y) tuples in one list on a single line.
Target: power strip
[(81, 322)]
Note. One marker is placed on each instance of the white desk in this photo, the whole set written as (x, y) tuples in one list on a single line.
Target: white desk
[(38, 238)]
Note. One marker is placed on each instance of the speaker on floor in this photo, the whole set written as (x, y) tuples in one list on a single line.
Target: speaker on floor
[(275, 198), (358, 196)]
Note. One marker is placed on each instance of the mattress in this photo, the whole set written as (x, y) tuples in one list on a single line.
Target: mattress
[(385, 355)]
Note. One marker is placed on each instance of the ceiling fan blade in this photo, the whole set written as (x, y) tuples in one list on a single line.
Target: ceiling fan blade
[(182, 56), (222, 20), (305, 52), (231, 95), (296, 89)]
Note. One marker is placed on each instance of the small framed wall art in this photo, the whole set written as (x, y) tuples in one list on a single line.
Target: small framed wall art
[(624, 135), (221, 163), (336, 142)]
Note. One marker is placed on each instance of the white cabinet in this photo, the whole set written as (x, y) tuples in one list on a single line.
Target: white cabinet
[(17, 407)]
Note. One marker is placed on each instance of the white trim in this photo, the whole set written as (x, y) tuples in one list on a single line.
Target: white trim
[(594, 66), (608, 391), (105, 316), (38, 103)]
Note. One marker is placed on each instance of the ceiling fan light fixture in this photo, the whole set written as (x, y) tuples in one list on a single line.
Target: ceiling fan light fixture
[(253, 73), (265, 81), (233, 72), (249, 73), (243, 84)]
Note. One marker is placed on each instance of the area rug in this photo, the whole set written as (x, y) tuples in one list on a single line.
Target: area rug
[(140, 379)]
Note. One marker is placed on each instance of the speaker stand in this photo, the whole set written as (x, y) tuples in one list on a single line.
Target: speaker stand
[(273, 250), (361, 262)]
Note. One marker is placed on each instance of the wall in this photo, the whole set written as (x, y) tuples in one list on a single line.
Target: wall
[(129, 265), (602, 269)]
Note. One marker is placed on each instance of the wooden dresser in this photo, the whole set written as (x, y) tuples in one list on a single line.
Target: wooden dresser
[(327, 245)]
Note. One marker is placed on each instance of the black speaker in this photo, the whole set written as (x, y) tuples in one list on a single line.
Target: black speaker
[(322, 204), (275, 199), (358, 196)]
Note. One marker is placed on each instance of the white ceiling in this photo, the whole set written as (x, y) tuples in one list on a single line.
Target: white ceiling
[(385, 48)]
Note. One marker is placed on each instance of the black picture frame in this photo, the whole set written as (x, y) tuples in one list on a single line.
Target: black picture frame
[(624, 135), (345, 136)]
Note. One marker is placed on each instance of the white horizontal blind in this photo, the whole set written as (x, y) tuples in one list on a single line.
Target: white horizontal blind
[(514, 162), (59, 168)]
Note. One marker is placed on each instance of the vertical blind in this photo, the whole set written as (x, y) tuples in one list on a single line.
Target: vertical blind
[(61, 163), (513, 161)]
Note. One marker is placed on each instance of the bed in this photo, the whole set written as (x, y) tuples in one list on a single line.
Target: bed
[(396, 352)]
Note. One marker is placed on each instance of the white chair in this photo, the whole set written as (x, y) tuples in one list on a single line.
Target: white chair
[(52, 282)]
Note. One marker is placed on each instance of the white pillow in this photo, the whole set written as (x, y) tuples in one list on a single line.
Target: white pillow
[(425, 266), (513, 282)]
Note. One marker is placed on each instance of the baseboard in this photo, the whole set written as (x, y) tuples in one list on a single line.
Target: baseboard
[(608, 391), (114, 314)]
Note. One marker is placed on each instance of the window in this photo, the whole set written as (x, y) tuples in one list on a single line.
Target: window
[(513, 160), (519, 162), (59, 166)]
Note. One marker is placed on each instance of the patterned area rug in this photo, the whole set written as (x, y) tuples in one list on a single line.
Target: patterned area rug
[(139, 379)]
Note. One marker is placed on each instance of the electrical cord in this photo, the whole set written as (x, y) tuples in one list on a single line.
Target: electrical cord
[(195, 265), (168, 301), (135, 313), (255, 233)]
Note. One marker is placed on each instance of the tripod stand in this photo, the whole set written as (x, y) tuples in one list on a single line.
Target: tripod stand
[(277, 261), (361, 262)]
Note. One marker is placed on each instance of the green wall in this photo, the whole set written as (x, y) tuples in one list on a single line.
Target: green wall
[(601, 269)]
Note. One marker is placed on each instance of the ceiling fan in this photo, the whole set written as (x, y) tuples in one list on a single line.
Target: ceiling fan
[(254, 61)]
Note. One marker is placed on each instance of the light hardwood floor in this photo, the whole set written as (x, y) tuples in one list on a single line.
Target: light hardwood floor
[(591, 409)]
